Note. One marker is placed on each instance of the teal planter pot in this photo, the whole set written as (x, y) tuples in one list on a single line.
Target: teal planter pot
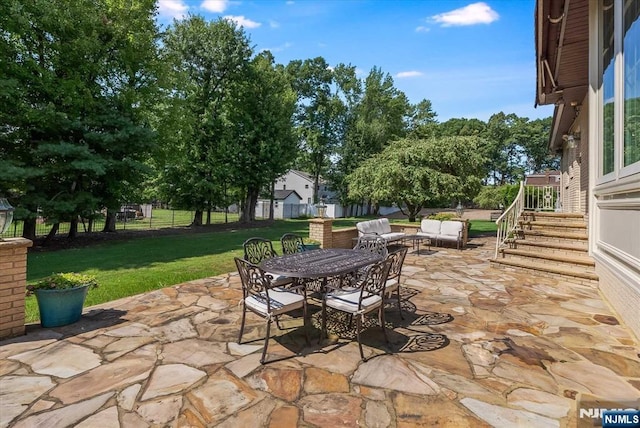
[(61, 307), (308, 247)]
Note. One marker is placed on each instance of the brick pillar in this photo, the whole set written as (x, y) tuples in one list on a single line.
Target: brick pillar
[(13, 280), (321, 230)]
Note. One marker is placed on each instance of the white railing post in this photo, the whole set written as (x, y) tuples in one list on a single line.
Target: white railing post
[(507, 222)]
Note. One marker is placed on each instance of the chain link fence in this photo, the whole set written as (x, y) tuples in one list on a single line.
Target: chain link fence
[(128, 218)]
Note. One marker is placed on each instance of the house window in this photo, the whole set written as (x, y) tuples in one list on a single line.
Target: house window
[(608, 111), (306, 186), (620, 56), (284, 187), (631, 49), (308, 200)]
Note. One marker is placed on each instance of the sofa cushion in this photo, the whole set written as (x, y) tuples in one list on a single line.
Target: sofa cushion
[(393, 236), (430, 227), (451, 228), (384, 225), (363, 227), (378, 226)]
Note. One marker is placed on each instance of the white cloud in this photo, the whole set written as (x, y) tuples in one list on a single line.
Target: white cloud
[(172, 8), (278, 48), (422, 29), (274, 24), (242, 21), (412, 73), (475, 13), (215, 6)]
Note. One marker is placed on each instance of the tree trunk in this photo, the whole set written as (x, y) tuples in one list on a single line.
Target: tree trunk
[(51, 234), (197, 218), (29, 229), (208, 216), (249, 206), (109, 222), (271, 214), (73, 228)]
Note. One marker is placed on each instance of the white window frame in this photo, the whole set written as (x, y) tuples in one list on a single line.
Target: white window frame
[(620, 174)]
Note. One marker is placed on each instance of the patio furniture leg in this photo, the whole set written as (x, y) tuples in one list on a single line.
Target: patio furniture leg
[(381, 321), (305, 324), (244, 315), (266, 342), (323, 328), (399, 304), (358, 327), (277, 318)]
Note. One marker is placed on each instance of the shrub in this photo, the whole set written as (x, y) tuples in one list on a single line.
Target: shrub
[(442, 216), (62, 281)]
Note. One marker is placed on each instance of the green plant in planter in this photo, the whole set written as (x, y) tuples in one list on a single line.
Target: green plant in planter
[(61, 297), (311, 244)]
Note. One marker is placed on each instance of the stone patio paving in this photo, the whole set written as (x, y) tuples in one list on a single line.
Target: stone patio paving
[(478, 347)]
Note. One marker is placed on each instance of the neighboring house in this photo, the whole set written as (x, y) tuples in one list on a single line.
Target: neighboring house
[(588, 66), (286, 204), (302, 183), (548, 178)]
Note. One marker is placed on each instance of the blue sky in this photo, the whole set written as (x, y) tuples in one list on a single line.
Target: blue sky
[(471, 59)]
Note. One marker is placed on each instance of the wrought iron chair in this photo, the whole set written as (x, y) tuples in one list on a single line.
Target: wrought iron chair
[(372, 243), (258, 249), (393, 280), (292, 243), (260, 297), (368, 297)]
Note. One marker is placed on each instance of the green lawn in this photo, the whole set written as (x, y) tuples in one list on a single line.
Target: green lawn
[(126, 268)]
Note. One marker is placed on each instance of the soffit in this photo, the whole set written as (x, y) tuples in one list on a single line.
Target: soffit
[(562, 54)]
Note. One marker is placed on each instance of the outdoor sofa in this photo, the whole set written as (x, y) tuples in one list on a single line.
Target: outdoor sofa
[(379, 228), (442, 231)]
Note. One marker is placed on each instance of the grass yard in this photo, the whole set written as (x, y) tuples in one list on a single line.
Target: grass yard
[(126, 268)]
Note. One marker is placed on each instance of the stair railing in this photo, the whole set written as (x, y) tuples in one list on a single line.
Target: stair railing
[(508, 221)]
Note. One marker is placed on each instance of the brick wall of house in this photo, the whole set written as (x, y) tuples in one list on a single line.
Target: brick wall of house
[(13, 280)]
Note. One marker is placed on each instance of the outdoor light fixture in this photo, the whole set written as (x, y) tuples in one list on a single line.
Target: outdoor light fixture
[(321, 209), (6, 215), (459, 209), (572, 140)]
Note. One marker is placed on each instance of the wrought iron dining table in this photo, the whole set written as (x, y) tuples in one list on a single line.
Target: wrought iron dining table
[(321, 263)]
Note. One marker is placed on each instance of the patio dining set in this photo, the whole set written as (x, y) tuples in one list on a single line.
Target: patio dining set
[(355, 282)]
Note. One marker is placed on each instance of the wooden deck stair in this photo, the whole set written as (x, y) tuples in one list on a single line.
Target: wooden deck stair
[(551, 244)]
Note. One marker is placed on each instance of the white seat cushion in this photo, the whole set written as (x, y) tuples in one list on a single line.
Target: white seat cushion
[(430, 227), (427, 235), (451, 229), (393, 236), (279, 279), (391, 285), (348, 301), (280, 301)]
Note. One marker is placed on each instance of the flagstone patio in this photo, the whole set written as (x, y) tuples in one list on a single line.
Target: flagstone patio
[(478, 347)]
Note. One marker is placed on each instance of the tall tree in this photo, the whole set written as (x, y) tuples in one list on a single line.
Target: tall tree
[(208, 62), (315, 118), (412, 173), (260, 145), (378, 118), (73, 77)]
